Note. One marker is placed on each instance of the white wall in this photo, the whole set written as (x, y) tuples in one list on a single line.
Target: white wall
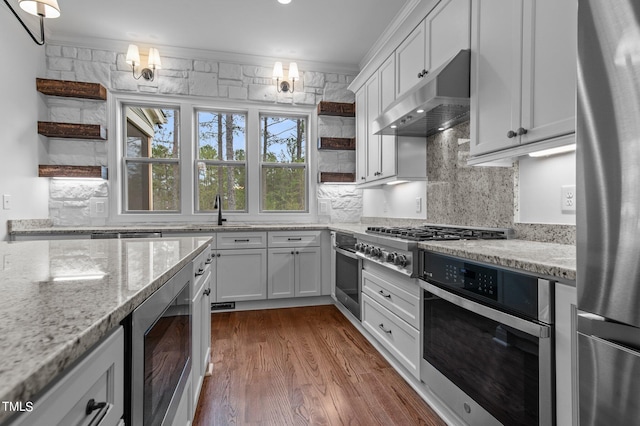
[(395, 201), (20, 108), (539, 188)]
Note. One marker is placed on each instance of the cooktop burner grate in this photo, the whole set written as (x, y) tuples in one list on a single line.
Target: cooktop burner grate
[(431, 233)]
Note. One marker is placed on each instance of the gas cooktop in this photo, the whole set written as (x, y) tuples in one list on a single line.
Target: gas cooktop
[(439, 232)]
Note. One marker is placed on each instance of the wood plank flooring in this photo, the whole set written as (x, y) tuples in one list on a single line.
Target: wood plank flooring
[(302, 366)]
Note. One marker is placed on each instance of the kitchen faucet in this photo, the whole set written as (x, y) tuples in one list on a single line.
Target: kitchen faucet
[(218, 205)]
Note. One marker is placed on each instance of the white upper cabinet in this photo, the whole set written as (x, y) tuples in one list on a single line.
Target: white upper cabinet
[(523, 67), (442, 34), (376, 155)]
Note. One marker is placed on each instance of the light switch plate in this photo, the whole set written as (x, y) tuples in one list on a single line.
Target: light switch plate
[(6, 202), (418, 204), (99, 207)]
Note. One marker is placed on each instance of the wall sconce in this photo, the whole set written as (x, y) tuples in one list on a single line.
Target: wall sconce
[(42, 9), (278, 73), (133, 59)]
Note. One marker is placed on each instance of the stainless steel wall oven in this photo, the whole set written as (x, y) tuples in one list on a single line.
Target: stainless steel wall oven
[(489, 330), (161, 352), (348, 270)]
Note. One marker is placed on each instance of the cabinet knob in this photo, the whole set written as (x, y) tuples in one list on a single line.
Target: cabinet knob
[(511, 134), (218, 255), (522, 131), (362, 178), (207, 292), (422, 73), (92, 406)]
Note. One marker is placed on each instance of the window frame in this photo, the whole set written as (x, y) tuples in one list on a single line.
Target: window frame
[(187, 107), (226, 163), (149, 160), (292, 165)]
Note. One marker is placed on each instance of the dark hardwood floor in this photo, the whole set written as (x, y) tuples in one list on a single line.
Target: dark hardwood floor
[(302, 366)]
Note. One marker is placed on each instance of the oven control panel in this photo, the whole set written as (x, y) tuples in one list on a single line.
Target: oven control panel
[(473, 278)]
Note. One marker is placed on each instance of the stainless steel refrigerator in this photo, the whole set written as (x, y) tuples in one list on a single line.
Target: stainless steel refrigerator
[(608, 207)]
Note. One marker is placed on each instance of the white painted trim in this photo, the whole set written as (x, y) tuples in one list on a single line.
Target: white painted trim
[(295, 302), (187, 214)]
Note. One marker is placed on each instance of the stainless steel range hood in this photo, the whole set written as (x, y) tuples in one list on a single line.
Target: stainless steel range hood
[(443, 96)]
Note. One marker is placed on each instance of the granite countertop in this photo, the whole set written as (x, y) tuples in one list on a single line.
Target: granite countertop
[(61, 297), (545, 259)]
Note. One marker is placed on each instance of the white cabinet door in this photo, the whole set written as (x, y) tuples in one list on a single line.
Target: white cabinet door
[(523, 66), (410, 60), (566, 354), (308, 272), (372, 89), (241, 275), (448, 31), (282, 274), (495, 74), (387, 78), (549, 69), (361, 136)]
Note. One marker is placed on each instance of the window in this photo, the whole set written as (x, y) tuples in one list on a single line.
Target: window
[(221, 160), (283, 155), (151, 159)]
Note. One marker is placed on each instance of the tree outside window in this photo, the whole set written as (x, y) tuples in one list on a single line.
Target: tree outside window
[(221, 160), (283, 148), (151, 159)]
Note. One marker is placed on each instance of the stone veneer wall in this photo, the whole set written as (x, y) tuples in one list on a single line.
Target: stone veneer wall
[(70, 202)]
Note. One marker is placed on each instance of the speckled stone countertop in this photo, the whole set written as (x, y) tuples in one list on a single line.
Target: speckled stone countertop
[(61, 297), (544, 259)]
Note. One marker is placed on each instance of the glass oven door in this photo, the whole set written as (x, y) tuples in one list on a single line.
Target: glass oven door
[(348, 280), (502, 362)]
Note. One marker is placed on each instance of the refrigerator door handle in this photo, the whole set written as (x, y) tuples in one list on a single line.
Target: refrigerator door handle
[(598, 326)]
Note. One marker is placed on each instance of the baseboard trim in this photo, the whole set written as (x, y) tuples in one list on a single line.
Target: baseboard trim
[(252, 305)]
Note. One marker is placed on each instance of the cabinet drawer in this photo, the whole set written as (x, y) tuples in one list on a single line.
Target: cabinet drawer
[(294, 239), (398, 337), (241, 240), (98, 376), (399, 301), (202, 268)]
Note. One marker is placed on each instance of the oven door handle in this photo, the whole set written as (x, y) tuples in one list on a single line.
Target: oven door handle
[(529, 327), (345, 253)]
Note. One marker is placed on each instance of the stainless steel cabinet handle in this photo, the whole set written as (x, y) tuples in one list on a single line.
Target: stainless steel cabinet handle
[(511, 134), (207, 292), (381, 327), (208, 261), (522, 131), (388, 296)]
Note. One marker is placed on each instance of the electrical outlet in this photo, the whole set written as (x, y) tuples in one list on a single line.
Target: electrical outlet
[(6, 202), (324, 206), (568, 199), (418, 204)]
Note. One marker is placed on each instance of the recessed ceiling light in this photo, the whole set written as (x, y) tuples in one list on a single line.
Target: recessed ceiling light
[(284, 1)]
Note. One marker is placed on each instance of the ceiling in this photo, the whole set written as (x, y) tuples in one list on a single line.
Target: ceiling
[(339, 32)]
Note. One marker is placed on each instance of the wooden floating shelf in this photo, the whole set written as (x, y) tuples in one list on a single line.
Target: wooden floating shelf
[(71, 89), (337, 109), (72, 130), (73, 171), (345, 144), (337, 177)]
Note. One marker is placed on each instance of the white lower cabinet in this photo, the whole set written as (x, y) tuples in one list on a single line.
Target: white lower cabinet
[(241, 275), (391, 313), (294, 272), (98, 377), (201, 323), (566, 355), (186, 407)]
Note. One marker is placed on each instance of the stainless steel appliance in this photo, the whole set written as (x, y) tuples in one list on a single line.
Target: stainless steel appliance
[(396, 247), (608, 212), (442, 99), (487, 331), (347, 272), (161, 352)]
